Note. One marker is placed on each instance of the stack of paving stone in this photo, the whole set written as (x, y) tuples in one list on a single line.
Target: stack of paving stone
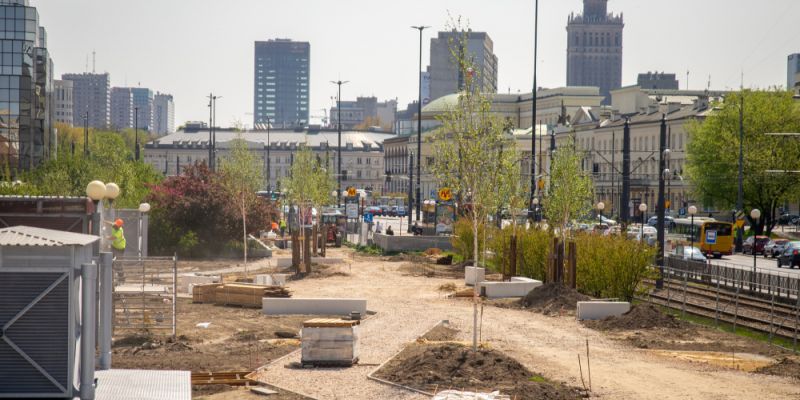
[(329, 342)]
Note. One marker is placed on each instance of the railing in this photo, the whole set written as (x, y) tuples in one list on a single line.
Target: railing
[(145, 293), (762, 282)]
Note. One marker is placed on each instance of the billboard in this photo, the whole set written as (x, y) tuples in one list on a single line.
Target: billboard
[(445, 217), (351, 207), (426, 87)]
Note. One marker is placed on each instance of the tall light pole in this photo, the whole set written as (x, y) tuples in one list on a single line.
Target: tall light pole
[(210, 130), (755, 214), (533, 105), (643, 211), (214, 130), (269, 160), (663, 172), (692, 212), (339, 147), (86, 134), (136, 131), (740, 191), (419, 124)]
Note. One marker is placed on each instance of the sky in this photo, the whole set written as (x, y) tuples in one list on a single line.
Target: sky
[(189, 48)]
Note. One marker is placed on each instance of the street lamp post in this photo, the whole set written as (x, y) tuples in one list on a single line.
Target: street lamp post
[(269, 160), (534, 98), (136, 131), (600, 207), (144, 208), (86, 134), (755, 214), (643, 211), (339, 148), (692, 212), (535, 209), (419, 123)]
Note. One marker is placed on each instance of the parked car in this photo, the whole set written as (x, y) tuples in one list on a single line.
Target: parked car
[(401, 211), (787, 219), (393, 211), (385, 210), (775, 247), (690, 253), (374, 210), (669, 222), (754, 245), (790, 255)]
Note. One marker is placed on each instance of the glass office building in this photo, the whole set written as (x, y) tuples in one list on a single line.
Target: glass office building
[(26, 84), (281, 83)]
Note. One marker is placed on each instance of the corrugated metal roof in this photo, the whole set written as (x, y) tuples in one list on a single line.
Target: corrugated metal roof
[(30, 236)]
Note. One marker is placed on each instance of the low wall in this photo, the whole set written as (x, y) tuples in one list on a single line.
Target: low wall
[(518, 287), (393, 244), (317, 306)]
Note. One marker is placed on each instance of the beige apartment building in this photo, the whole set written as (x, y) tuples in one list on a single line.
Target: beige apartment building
[(362, 153)]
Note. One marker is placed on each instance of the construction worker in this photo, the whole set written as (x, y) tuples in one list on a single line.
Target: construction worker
[(117, 239), (283, 227)]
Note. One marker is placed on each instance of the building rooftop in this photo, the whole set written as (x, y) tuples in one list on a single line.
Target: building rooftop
[(30, 236), (279, 139)]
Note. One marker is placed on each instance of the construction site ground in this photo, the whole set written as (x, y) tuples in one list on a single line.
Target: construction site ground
[(625, 364)]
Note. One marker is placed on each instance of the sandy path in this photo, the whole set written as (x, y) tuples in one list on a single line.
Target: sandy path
[(408, 306)]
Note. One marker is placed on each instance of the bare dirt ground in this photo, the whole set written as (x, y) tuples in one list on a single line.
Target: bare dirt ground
[(408, 306), (237, 339)]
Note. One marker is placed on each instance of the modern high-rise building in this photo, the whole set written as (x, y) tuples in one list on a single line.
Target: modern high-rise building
[(281, 83), (26, 87), (91, 97), (143, 108), (121, 108), (163, 114), (658, 80), (365, 113), (445, 75), (594, 49), (62, 96), (793, 69)]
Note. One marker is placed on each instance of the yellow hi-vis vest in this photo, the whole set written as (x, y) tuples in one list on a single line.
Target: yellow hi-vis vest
[(119, 239)]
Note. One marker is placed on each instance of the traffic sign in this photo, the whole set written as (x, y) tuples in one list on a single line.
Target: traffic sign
[(445, 194), (368, 218), (711, 237), (351, 192), (740, 223), (540, 184)]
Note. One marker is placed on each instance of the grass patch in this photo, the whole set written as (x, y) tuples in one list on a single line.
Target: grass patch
[(537, 378), (728, 327), (371, 250)]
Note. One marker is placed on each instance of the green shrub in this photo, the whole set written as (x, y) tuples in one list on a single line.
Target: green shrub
[(612, 266), (187, 244), (533, 250), (463, 239)]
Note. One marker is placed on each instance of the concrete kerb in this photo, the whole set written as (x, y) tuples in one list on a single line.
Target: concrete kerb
[(595, 310), (397, 385)]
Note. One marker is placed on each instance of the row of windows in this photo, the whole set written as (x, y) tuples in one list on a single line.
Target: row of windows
[(11, 25), (29, 36), (596, 39), (17, 12)]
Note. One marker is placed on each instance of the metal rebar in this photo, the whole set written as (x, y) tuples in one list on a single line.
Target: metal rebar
[(796, 319), (685, 283), (174, 294), (716, 307), (736, 310), (771, 317)]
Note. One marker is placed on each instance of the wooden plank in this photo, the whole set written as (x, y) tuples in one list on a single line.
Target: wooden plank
[(329, 323)]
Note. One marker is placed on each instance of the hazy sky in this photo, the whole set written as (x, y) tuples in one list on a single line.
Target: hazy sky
[(191, 47)]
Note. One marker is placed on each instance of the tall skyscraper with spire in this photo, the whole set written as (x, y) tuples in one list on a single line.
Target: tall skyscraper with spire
[(594, 48)]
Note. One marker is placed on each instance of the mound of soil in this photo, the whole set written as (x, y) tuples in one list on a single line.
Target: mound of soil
[(785, 367), (552, 299), (431, 366), (133, 340), (441, 333), (641, 316)]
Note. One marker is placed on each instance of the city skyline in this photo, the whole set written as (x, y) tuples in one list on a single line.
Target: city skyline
[(379, 55)]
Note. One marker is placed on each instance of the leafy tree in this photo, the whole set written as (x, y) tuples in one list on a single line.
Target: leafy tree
[(713, 154), (241, 178), (474, 156), (570, 188), (193, 213), (67, 174)]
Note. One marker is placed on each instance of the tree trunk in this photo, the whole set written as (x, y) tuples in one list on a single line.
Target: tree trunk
[(244, 228), (475, 230)]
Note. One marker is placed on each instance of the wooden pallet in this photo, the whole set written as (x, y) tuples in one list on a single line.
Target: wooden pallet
[(233, 378)]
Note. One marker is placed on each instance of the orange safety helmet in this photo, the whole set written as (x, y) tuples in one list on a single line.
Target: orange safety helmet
[(118, 223)]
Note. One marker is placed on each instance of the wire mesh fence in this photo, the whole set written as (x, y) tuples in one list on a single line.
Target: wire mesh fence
[(145, 294)]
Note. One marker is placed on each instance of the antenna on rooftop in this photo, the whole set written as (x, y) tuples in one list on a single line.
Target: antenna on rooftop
[(87, 64), (94, 61), (687, 79)]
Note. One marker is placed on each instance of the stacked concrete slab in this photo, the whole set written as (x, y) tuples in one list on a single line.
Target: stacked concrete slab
[(517, 287), (329, 342), (272, 279), (593, 310), (474, 275), (186, 281), (314, 306)]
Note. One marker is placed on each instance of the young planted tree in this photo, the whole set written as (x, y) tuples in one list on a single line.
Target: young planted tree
[(241, 177), (570, 188), (309, 183), (713, 154), (474, 156)]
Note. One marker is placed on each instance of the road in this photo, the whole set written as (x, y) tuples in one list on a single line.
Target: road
[(769, 265)]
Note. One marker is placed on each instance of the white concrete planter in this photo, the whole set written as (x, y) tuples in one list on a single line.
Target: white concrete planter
[(594, 310)]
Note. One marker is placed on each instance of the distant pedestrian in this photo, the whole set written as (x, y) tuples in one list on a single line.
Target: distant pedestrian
[(118, 245), (378, 227), (389, 231), (283, 228)]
